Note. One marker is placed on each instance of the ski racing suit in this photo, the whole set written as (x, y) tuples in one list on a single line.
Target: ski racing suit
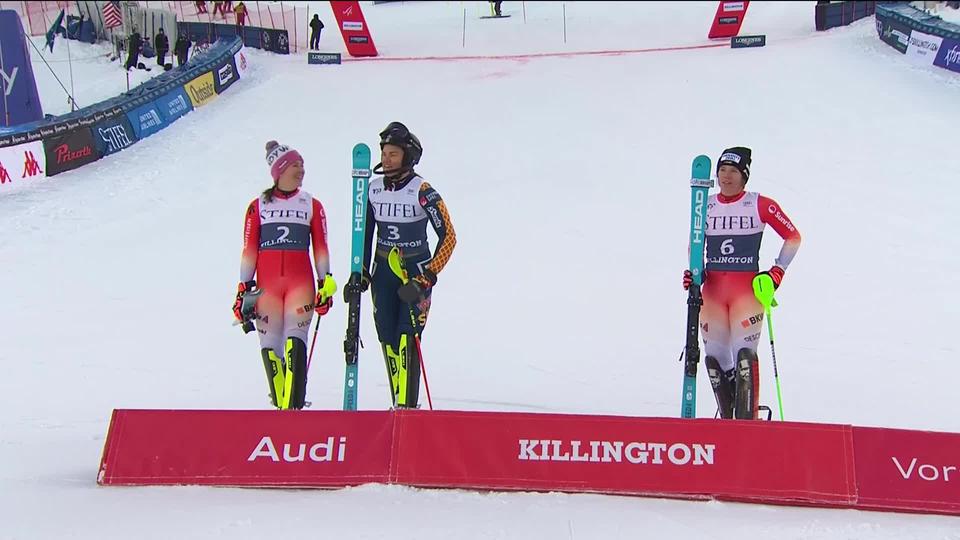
[(277, 236), (400, 212), (731, 318)]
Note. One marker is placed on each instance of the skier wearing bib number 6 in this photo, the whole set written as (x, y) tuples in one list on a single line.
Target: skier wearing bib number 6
[(280, 227), (401, 203), (731, 318)]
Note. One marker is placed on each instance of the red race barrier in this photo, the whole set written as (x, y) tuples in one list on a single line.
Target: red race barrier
[(247, 448), (735, 460), (752, 461), (915, 471), (728, 20), (354, 28)]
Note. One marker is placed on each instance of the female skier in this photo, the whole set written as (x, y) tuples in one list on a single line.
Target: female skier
[(731, 317), (279, 228)]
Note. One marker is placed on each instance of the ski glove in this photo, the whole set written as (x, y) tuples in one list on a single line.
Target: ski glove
[(688, 278), (415, 289), (776, 274), (357, 284), (326, 288), (243, 288)]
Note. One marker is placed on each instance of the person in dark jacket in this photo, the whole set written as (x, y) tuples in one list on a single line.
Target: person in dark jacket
[(182, 49), (134, 45), (316, 25), (162, 45)]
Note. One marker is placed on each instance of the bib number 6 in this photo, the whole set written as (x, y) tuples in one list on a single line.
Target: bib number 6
[(726, 248)]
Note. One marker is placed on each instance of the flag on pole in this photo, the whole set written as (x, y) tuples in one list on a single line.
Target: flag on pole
[(111, 15), (55, 29)]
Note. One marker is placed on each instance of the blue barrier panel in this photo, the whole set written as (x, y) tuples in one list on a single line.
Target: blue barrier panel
[(114, 133), (146, 120), (174, 105), (948, 56)]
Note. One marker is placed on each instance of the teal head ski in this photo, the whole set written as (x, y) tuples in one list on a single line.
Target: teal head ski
[(358, 226), (700, 184)]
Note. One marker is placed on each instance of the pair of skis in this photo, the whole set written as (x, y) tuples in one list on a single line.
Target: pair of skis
[(351, 343), (700, 184)]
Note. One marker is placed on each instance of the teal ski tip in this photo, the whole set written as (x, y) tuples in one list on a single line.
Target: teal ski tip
[(700, 172), (361, 154)]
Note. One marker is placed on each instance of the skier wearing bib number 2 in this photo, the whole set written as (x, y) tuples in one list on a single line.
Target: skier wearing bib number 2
[(401, 203), (732, 318), (279, 228)]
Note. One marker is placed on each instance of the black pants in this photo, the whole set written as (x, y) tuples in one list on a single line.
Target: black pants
[(133, 59), (161, 56), (315, 40), (399, 334), (182, 58), (392, 315)]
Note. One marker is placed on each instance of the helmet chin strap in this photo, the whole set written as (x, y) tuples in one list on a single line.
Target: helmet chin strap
[(392, 174)]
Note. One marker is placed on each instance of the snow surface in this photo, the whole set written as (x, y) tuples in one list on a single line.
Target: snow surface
[(567, 180)]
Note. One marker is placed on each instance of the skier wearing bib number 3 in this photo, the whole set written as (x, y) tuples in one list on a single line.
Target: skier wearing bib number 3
[(401, 203), (732, 318), (278, 231)]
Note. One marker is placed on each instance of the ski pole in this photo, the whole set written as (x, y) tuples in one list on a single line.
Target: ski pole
[(423, 369), (395, 259), (312, 343), (763, 289)]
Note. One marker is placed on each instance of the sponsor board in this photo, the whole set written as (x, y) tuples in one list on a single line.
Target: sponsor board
[(743, 42), (201, 90), (225, 75), (174, 105), (146, 120), (948, 55), (22, 163), (113, 135), (323, 58), (70, 150)]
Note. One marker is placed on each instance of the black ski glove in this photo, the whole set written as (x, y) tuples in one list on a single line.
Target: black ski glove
[(242, 289), (357, 284), (415, 289)]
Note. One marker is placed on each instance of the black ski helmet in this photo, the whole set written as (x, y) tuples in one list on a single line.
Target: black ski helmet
[(397, 134)]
